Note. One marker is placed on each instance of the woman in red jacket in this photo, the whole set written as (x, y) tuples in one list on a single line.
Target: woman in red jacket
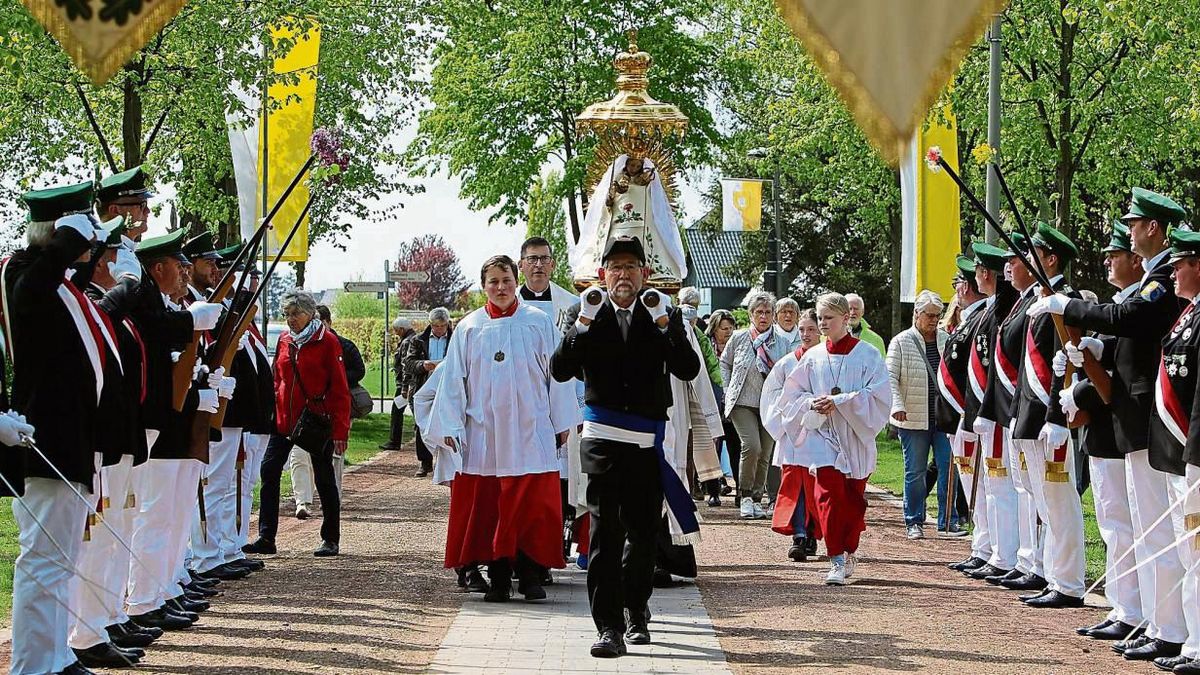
[(308, 373)]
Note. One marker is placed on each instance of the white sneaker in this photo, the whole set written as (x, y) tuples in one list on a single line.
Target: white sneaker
[(851, 563), (837, 573), (916, 532), (747, 509), (759, 514)]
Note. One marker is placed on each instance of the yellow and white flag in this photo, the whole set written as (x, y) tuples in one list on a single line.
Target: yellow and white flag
[(285, 139), (741, 204), (930, 207)]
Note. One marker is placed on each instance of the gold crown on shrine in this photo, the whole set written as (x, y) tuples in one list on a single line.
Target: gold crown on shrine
[(632, 113)]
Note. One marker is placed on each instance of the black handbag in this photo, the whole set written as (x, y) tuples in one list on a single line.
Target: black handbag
[(312, 431)]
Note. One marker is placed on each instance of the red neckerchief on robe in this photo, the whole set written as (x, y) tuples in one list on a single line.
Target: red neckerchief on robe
[(497, 313), (841, 347)]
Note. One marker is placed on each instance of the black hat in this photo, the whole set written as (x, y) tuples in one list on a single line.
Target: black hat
[(201, 246), (125, 185), (167, 245), (625, 245)]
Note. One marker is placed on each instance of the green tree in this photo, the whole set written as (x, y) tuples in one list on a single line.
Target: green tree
[(546, 220), (357, 306), (509, 77)]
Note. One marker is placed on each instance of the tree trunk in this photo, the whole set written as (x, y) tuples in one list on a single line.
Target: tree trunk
[(230, 232), (299, 267), (568, 129), (897, 251), (573, 214), (131, 120)]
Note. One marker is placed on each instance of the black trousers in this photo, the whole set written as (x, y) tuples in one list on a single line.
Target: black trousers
[(625, 504), (278, 449), (397, 435), (424, 456)]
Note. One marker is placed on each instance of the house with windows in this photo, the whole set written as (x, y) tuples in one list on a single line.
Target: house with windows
[(709, 256)]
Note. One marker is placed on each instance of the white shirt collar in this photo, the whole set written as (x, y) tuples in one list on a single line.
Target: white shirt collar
[(1124, 293), (990, 300), (790, 335), (971, 309), (1151, 264)]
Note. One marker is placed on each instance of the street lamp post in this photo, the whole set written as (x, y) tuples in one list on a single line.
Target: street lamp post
[(775, 233)]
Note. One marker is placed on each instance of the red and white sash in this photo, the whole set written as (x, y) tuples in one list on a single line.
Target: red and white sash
[(89, 332), (976, 374), (1170, 410), (1037, 371), (949, 389)]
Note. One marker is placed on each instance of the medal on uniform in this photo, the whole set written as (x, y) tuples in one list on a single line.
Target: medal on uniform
[(1187, 334), (835, 391), (1171, 370), (1183, 371), (499, 356)]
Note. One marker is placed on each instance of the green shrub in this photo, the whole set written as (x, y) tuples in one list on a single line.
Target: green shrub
[(366, 333)]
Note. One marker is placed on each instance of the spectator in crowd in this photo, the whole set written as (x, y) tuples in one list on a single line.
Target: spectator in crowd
[(859, 327), (810, 333), (787, 331), (913, 358), (704, 429), (402, 330), (953, 314), (721, 325), (745, 363), (424, 353), (310, 380), (689, 304)]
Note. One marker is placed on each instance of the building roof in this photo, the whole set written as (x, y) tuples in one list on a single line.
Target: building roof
[(709, 254)]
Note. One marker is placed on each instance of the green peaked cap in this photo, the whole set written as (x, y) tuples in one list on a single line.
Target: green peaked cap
[(53, 203), (1119, 241), (966, 266), (1056, 242), (1184, 244), (170, 244), (131, 183), (201, 246), (1022, 245), (991, 257), (1149, 204)]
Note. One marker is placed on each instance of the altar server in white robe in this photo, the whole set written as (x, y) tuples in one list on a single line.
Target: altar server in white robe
[(796, 507), (500, 409), (833, 404)]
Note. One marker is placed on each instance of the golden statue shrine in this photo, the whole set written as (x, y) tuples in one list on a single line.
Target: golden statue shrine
[(632, 178)]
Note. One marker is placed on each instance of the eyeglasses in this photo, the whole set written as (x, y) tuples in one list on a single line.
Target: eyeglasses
[(622, 269), (538, 259)]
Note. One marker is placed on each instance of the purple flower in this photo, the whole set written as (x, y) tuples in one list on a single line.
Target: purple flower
[(328, 148)]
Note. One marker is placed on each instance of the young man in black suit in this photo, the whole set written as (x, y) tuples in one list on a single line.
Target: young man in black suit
[(625, 345)]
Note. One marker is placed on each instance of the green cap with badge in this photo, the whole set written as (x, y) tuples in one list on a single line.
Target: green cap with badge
[(1184, 244), (991, 257), (129, 185), (1119, 241), (167, 245), (116, 230), (1054, 241), (201, 246), (50, 204), (1153, 206), (966, 267), (1018, 240)]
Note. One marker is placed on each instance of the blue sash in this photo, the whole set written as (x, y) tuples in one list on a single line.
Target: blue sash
[(679, 499)]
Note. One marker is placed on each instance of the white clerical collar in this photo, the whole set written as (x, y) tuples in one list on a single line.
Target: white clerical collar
[(1124, 293), (1153, 263), (971, 309), (530, 294)]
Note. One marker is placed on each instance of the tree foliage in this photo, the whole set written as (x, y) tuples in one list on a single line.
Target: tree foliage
[(546, 220), (429, 253)]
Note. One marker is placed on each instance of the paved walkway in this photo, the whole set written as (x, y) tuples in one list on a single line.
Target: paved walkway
[(553, 636)]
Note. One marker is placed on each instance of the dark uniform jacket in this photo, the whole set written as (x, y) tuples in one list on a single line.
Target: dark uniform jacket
[(1032, 413), (1177, 411), (122, 431), (1139, 324), (999, 405), (1096, 438), (630, 375), (54, 384), (982, 346), (952, 373)]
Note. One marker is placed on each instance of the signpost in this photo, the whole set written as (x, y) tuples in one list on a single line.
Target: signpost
[(385, 288)]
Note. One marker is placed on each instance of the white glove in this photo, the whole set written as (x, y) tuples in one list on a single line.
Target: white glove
[(1059, 366), (244, 341), (1054, 435), (78, 222), (205, 315), (226, 387), (14, 429), (175, 356), (591, 301), (1051, 304), (215, 377), (1066, 399), (126, 265), (983, 426), (208, 401), (657, 303), (1075, 353), (199, 370)]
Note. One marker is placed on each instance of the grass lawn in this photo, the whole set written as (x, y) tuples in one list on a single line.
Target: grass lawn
[(889, 475), (371, 380), (365, 436)]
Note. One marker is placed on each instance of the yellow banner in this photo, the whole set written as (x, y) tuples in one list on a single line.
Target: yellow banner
[(937, 236), (741, 205), (285, 136)]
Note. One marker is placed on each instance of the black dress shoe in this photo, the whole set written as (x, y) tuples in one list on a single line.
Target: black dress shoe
[(997, 578), (126, 639), (133, 653), (1152, 649), (1030, 596), (260, 546), (1137, 641), (985, 571), (236, 569), (1027, 582), (475, 583), (797, 554), (104, 655), (499, 592), (968, 564), (189, 615), (390, 445), (1169, 663), (326, 549), (76, 668), (531, 588), (1117, 630), (1055, 600), (609, 645), (201, 592), (161, 619), (197, 579), (638, 634), (547, 578), (662, 578), (1087, 629), (131, 627), (223, 573), (181, 604), (253, 564), (1190, 668)]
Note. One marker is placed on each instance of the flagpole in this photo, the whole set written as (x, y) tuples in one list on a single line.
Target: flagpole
[(266, 195), (996, 54)]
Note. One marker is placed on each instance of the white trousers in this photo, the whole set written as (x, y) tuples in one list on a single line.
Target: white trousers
[(219, 503), (1184, 518), (1061, 512), (1111, 495), (300, 466), (42, 575), (1031, 538), (1158, 581), (981, 538), (104, 560), (1001, 505), (166, 491), (256, 447)]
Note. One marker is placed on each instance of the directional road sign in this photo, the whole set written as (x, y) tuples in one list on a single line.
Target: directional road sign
[(414, 277), (366, 286)]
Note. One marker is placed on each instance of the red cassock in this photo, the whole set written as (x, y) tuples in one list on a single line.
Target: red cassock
[(494, 517)]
